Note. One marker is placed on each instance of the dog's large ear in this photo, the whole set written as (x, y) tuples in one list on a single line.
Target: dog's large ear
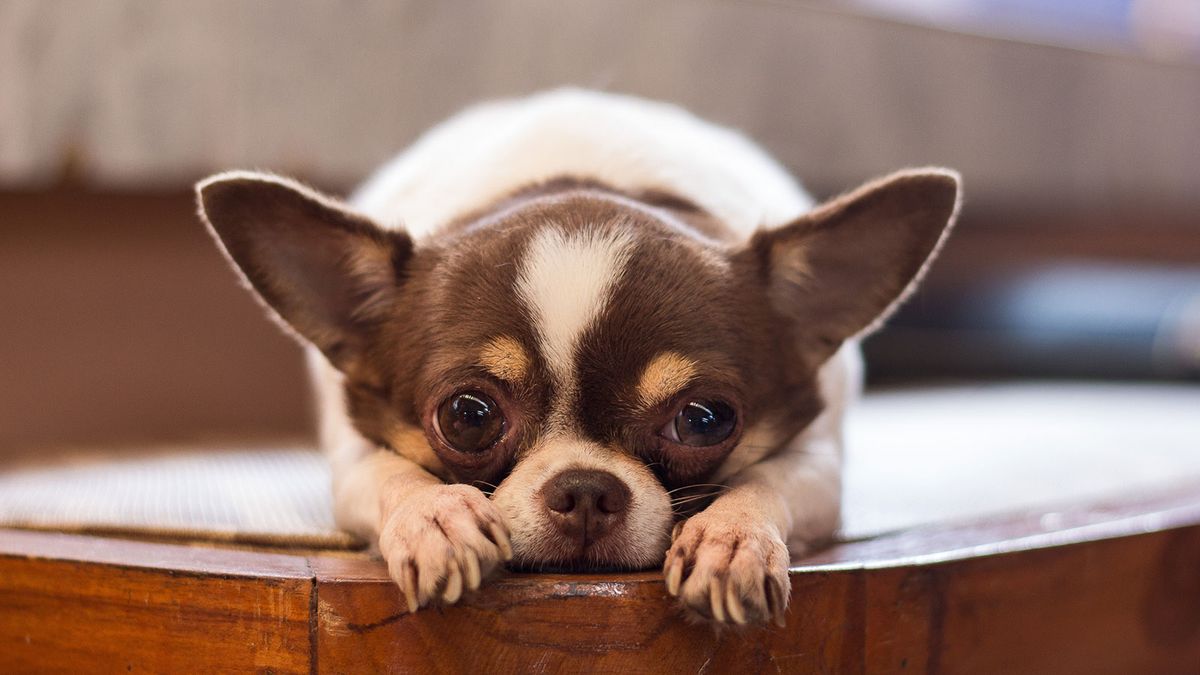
[(326, 272), (842, 268)]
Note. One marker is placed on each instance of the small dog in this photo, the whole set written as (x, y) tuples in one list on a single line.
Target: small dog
[(584, 331)]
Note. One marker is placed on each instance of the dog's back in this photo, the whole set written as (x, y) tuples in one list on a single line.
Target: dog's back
[(486, 152)]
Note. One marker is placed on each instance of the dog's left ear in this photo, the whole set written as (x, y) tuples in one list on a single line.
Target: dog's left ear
[(326, 272), (842, 268)]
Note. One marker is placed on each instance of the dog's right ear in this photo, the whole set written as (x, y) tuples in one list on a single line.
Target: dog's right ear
[(326, 272), (838, 270)]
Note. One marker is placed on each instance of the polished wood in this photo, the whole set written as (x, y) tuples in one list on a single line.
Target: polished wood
[(1097, 588), (83, 604), (606, 623)]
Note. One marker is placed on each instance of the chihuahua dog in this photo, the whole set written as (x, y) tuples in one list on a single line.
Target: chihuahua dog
[(584, 331)]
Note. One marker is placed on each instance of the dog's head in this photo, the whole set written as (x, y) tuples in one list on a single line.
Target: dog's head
[(595, 362)]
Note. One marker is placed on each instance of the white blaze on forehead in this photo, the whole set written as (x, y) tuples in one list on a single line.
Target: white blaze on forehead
[(565, 281)]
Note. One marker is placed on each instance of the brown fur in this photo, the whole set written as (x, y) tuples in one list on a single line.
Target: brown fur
[(407, 326)]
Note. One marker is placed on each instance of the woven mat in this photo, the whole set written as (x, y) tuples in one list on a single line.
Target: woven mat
[(936, 454), (258, 496), (916, 457)]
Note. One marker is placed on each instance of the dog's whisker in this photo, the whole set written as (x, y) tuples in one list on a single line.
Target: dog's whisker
[(696, 485), (685, 500), (700, 493), (709, 491)]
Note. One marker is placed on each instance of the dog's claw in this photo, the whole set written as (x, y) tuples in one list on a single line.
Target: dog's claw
[(776, 602), (408, 586), (674, 575), (733, 604), (454, 584), (499, 535), (716, 602), (729, 568), (437, 544), (474, 578)]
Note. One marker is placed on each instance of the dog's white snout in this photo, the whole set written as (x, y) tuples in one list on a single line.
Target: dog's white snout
[(581, 505)]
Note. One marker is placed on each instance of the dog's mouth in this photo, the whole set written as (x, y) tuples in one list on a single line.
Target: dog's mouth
[(570, 555), (574, 567)]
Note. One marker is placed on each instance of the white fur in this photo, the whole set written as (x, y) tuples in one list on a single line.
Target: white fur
[(564, 283), (649, 510), (489, 150)]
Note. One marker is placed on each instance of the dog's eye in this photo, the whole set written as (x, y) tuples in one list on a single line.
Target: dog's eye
[(701, 423), (470, 421)]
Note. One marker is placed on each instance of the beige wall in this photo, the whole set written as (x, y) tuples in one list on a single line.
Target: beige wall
[(137, 92), (120, 323)]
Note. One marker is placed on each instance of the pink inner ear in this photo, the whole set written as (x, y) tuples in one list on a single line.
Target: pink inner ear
[(322, 269), (842, 268)]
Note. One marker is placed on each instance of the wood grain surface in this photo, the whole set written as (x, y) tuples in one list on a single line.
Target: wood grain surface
[(85, 604), (1100, 588)]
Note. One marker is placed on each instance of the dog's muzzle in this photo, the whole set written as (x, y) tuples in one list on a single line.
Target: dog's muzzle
[(584, 505)]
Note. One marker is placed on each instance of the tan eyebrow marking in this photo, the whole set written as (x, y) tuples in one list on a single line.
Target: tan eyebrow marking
[(666, 374), (505, 358)]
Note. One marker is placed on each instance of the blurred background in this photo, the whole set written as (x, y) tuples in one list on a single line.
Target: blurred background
[(1076, 125)]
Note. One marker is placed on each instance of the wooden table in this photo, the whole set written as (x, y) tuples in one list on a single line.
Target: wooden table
[(1110, 587)]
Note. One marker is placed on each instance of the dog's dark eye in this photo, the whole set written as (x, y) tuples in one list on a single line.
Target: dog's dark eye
[(470, 421), (702, 423)]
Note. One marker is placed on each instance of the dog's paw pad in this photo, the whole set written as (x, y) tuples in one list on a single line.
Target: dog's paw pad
[(729, 570), (443, 541)]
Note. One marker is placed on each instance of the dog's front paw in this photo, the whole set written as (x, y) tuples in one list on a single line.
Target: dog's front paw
[(727, 567), (439, 539)]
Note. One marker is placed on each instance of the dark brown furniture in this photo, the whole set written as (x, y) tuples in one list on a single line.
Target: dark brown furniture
[(1101, 588)]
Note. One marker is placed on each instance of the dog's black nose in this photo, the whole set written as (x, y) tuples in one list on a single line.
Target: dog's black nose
[(585, 504)]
